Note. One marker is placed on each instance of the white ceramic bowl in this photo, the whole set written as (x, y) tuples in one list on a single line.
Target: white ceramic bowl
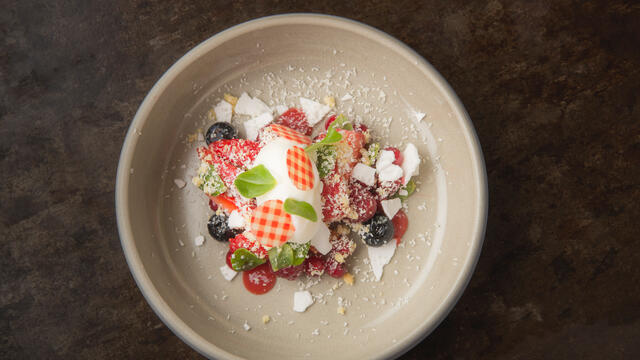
[(277, 58)]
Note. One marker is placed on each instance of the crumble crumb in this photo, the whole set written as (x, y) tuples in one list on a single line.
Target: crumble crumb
[(348, 278)]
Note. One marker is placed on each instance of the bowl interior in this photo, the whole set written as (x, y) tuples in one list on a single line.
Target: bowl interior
[(278, 60)]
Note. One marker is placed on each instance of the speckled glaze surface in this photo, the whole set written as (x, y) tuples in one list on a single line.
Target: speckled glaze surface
[(551, 86), (279, 59)]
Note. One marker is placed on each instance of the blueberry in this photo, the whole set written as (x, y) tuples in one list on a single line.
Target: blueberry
[(378, 230), (219, 131), (219, 229)]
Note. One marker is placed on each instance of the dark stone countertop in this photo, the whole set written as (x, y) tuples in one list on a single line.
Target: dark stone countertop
[(552, 88)]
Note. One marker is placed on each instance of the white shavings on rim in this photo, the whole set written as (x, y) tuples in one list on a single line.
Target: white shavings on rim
[(228, 274), (246, 326), (198, 240)]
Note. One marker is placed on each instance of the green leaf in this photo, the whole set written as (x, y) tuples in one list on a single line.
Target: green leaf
[(281, 257), (410, 188), (255, 182), (243, 260), (210, 182), (300, 252), (326, 160), (333, 136), (300, 208), (341, 122), (289, 254)]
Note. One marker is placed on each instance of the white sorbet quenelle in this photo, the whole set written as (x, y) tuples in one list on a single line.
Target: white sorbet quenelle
[(273, 156)]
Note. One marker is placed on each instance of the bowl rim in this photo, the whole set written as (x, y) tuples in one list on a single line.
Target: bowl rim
[(151, 294)]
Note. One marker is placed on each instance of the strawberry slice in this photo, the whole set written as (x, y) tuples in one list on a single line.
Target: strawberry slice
[(225, 201), (237, 152), (296, 120), (242, 242)]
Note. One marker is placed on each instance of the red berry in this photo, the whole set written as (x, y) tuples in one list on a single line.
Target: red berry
[(362, 202), (331, 119), (361, 128), (334, 268), (291, 272), (400, 222), (296, 120), (213, 205), (260, 279), (228, 260), (241, 241), (314, 266), (388, 188), (335, 194), (397, 153), (237, 152)]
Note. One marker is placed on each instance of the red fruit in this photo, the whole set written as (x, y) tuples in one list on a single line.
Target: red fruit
[(314, 266), (355, 140), (260, 279), (360, 127), (334, 268), (241, 241), (336, 199), (397, 153), (388, 188), (291, 272), (213, 205), (228, 259), (400, 223), (362, 202), (296, 120), (331, 119), (237, 152), (340, 243), (225, 201)]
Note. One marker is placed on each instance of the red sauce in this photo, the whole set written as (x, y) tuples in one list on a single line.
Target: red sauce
[(260, 279), (400, 223)]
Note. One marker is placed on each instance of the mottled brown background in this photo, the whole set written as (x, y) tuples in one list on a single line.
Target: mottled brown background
[(552, 88)]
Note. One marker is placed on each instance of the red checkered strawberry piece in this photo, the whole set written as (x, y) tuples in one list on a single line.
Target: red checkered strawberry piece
[(296, 120), (242, 242), (238, 152), (299, 168), (271, 225), (289, 134)]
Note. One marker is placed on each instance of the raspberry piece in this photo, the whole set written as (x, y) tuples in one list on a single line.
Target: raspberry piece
[(336, 198), (362, 202), (388, 188), (296, 120), (314, 266), (397, 153), (360, 128), (334, 268), (213, 205), (237, 152), (400, 224), (291, 272), (241, 241)]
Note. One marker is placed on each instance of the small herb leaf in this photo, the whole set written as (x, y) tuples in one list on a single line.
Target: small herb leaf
[(409, 188), (255, 182), (300, 208), (326, 160), (281, 257), (300, 252), (243, 260)]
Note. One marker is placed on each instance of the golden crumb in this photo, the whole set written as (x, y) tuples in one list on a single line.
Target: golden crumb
[(211, 115), (341, 310), (231, 100), (192, 137), (339, 258), (348, 278), (266, 319), (197, 181), (330, 101)]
